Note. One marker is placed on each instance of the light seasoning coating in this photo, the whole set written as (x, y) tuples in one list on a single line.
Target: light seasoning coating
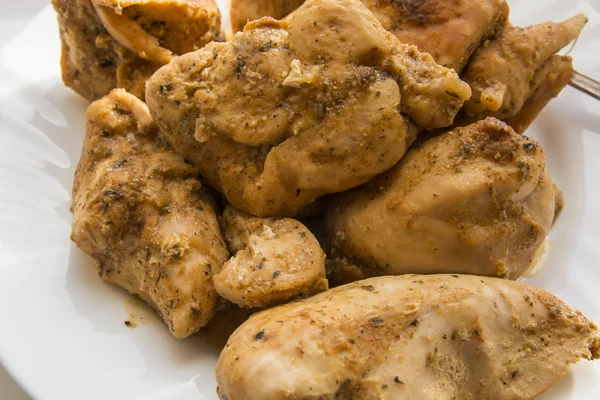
[(513, 71), (141, 213), (289, 111), (502, 72), (547, 83), (475, 200), (275, 260), (449, 30), (408, 337), (243, 11)]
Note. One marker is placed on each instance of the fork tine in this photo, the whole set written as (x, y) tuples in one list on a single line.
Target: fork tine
[(586, 84)]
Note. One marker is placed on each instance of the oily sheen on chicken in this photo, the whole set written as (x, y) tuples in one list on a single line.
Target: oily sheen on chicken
[(514, 72), (475, 200), (408, 337)]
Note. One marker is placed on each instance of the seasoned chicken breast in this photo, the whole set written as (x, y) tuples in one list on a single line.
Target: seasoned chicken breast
[(408, 337), (448, 30), (513, 71), (141, 213), (275, 261), (502, 72), (475, 200), (120, 43), (289, 111)]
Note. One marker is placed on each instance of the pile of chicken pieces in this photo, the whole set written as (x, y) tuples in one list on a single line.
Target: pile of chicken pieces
[(393, 129)]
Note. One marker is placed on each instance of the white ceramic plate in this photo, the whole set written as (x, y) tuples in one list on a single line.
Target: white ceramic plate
[(62, 332)]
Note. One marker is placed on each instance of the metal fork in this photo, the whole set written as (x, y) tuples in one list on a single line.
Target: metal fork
[(586, 84)]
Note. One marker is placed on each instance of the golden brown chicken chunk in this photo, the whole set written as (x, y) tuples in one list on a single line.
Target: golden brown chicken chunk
[(408, 337), (476, 200), (120, 43), (513, 72), (547, 83), (275, 261), (448, 30), (506, 72), (145, 218), (289, 111)]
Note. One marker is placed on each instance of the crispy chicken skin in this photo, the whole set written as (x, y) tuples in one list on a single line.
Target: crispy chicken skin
[(475, 200), (449, 30), (289, 111), (275, 261), (408, 337), (120, 43), (503, 72), (141, 213)]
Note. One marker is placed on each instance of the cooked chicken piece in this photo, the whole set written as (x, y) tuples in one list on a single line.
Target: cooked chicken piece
[(502, 72), (408, 337), (237, 227), (145, 218), (476, 200), (275, 261), (547, 83), (243, 11), (288, 112), (120, 43), (448, 30), (513, 62)]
